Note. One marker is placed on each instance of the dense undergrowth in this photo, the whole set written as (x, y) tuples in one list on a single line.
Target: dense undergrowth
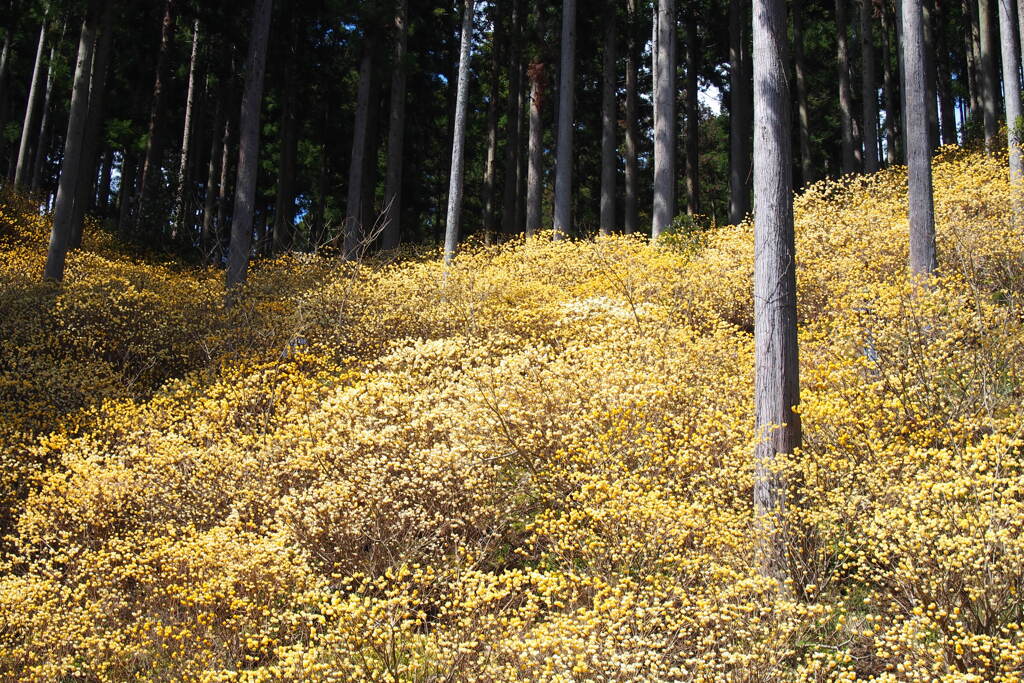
[(537, 466)]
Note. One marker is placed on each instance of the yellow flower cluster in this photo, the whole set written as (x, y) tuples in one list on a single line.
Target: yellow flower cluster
[(533, 466)]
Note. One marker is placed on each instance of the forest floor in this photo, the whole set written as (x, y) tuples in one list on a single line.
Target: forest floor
[(536, 466)]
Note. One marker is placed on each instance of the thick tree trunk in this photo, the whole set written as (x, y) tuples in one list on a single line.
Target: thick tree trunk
[(608, 124), (777, 374), (149, 177), (869, 87), (22, 170), (42, 147), (396, 133), (989, 80), (845, 94), (94, 124), (664, 208), (508, 208), (248, 146), (630, 218), (919, 157), (692, 117), (739, 115), (566, 100), (892, 106), (803, 118), (1009, 39), (535, 173), (455, 181), (71, 168), (182, 190), (355, 212)]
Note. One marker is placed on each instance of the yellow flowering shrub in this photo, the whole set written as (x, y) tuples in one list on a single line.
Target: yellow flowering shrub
[(535, 465)]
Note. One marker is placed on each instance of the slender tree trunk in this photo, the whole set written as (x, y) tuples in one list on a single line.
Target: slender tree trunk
[(609, 120), (845, 94), (777, 374), (989, 81), (919, 157), (947, 103), (490, 165), (248, 146), (44, 126), (803, 118), (1009, 39), (355, 211), (126, 189), (664, 120), (891, 103), (94, 124), (71, 168), (102, 198), (521, 141), (692, 117), (739, 116), (455, 182), (5, 52), (154, 145), (212, 172), (535, 173), (224, 187), (31, 111), (284, 203), (508, 209), (182, 190), (973, 37), (930, 72), (869, 87), (630, 219), (396, 133), (566, 100)]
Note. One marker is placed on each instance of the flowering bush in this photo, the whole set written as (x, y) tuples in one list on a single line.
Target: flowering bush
[(534, 465)]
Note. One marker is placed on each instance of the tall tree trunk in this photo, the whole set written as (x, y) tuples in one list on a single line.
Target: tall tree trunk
[(71, 168), (803, 117), (608, 124), (44, 126), (94, 124), (630, 219), (355, 212), (182, 190), (777, 374), (947, 103), (989, 81), (664, 119), (508, 208), (535, 173), (845, 94), (973, 36), (739, 115), (455, 181), (284, 203), (521, 135), (5, 52), (930, 71), (154, 139), (919, 156), (126, 190), (892, 107), (212, 173), (692, 117), (102, 197), (566, 100), (490, 165), (869, 87), (396, 133), (248, 146), (31, 111), (1009, 39)]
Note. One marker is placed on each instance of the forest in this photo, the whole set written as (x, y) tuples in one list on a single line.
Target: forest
[(502, 340)]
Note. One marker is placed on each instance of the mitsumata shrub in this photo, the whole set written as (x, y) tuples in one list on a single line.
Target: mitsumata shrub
[(533, 466)]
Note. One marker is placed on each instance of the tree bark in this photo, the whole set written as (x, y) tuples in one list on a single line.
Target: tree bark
[(973, 38), (508, 209), (456, 179), (42, 147), (396, 133), (284, 202), (869, 87), (845, 95), (71, 168), (608, 125), (664, 208), (919, 169), (102, 197), (989, 81), (892, 107), (566, 100), (154, 145), (248, 146), (739, 116), (31, 111), (630, 218), (212, 172), (803, 118), (930, 72), (777, 378), (692, 117), (1009, 39), (947, 103), (223, 188), (355, 212), (182, 190), (535, 173)]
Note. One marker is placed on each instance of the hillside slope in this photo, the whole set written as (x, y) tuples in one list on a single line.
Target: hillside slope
[(537, 466)]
